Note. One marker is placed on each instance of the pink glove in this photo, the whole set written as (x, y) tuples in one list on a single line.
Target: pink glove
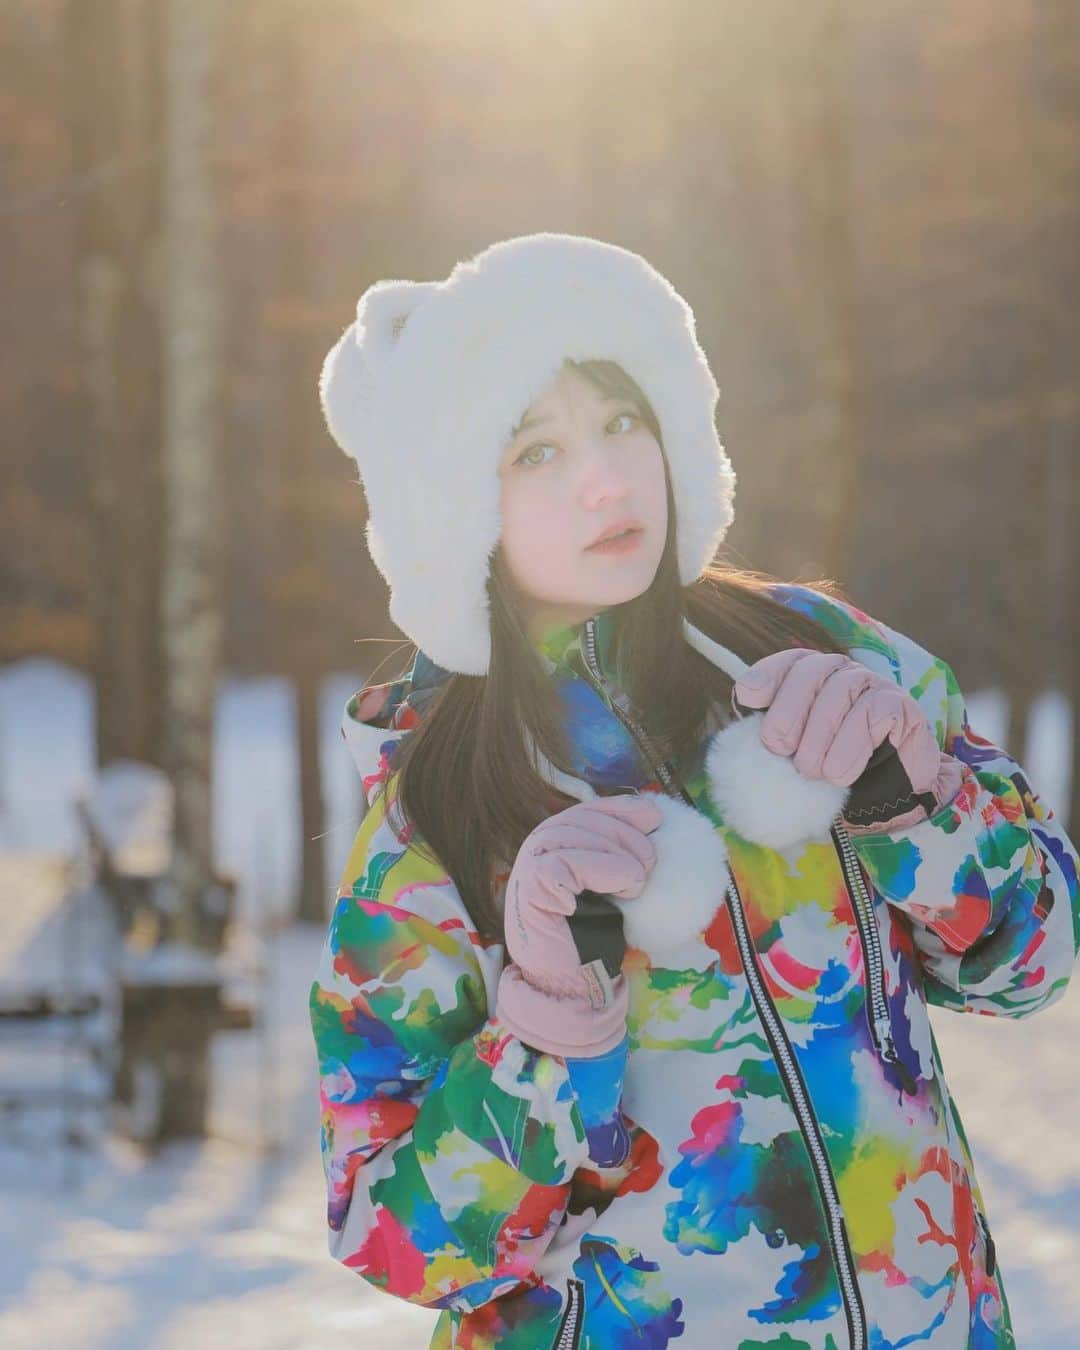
[(831, 713), (546, 997)]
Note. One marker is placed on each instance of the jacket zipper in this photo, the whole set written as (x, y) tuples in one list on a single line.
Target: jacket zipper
[(877, 1005), (990, 1260), (617, 704), (799, 1096), (568, 1337), (784, 1055)]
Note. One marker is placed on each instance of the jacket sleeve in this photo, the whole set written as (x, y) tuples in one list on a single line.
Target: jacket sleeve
[(448, 1145), (989, 880)]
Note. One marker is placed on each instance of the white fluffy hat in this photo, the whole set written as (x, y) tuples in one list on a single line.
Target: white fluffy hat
[(424, 390)]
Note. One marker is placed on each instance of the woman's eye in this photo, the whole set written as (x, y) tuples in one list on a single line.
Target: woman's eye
[(523, 458), (526, 455)]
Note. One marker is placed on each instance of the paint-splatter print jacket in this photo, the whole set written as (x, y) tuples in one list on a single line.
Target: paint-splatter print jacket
[(726, 1177)]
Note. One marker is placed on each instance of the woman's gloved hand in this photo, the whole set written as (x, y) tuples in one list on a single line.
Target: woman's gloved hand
[(853, 727), (547, 995)]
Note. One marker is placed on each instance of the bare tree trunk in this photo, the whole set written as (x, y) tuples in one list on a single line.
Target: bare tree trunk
[(304, 445), (111, 75), (835, 461), (1026, 652), (1072, 656), (191, 602), (1024, 574), (313, 901), (1057, 58)]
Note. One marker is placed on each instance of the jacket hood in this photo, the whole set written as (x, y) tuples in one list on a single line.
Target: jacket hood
[(378, 715)]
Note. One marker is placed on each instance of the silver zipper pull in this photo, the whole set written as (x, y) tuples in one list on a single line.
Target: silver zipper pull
[(887, 1046), (883, 1032)]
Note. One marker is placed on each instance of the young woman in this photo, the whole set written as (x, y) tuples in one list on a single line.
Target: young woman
[(621, 1019)]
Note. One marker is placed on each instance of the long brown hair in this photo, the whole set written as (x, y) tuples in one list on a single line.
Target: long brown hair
[(464, 777)]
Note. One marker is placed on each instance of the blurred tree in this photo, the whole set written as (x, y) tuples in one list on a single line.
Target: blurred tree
[(192, 449), (821, 111), (112, 72), (1034, 155), (1071, 643), (302, 338)]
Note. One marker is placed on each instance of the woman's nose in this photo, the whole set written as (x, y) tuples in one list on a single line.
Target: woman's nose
[(602, 475)]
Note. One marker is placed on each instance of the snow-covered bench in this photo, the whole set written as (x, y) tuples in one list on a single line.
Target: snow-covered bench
[(173, 997), (59, 1001)]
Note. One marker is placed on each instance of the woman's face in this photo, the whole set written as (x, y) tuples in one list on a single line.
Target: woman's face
[(583, 462)]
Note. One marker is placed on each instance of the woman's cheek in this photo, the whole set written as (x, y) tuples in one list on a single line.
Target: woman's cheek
[(534, 540)]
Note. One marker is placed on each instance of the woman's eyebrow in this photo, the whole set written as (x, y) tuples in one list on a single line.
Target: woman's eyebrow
[(527, 422)]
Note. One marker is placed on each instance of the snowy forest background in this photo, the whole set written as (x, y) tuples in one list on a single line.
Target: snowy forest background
[(875, 211)]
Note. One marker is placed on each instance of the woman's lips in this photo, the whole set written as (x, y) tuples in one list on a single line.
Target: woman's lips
[(621, 543)]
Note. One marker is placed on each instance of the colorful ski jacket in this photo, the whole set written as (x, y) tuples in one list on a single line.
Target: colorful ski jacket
[(771, 1158)]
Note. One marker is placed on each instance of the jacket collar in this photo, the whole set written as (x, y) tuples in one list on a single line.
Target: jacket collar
[(562, 647), (379, 714)]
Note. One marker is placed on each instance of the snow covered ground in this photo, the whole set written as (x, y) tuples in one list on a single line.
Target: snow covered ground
[(222, 1243)]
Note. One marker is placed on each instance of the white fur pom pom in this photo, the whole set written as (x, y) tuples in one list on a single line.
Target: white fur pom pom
[(763, 796), (687, 884)]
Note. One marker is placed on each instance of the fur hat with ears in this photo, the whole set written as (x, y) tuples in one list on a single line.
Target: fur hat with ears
[(425, 389)]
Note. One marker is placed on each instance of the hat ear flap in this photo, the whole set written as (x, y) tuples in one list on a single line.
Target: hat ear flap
[(383, 311), (347, 379), (344, 392)]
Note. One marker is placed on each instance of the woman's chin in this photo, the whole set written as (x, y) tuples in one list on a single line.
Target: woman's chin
[(585, 595), (617, 593), (623, 576)]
